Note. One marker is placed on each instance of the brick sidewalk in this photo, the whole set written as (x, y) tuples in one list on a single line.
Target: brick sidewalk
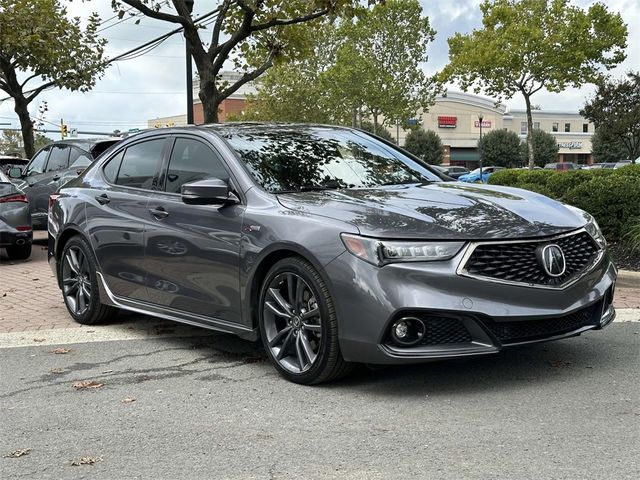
[(31, 301)]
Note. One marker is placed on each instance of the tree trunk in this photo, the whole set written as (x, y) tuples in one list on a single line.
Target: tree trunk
[(26, 125), (527, 101), (375, 122), (210, 97)]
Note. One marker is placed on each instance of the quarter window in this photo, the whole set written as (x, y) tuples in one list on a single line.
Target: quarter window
[(110, 170), (192, 160), (59, 158), (140, 164)]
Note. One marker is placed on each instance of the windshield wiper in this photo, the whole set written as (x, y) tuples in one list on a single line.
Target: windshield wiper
[(309, 188)]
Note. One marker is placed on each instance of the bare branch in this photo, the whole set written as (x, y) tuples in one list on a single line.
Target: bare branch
[(289, 21), (27, 80), (224, 8), (150, 12), (33, 93), (249, 76)]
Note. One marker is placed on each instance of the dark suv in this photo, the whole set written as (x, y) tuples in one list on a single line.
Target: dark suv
[(52, 167)]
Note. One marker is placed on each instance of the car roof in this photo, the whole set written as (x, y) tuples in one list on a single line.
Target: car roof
[(90, 142)]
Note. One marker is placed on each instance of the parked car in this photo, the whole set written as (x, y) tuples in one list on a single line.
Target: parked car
[(622, 163), (52, 167), (329, 245), (601, 165), (16, 233), (9, 161), (453, 171), (474, 176), (562, 166)]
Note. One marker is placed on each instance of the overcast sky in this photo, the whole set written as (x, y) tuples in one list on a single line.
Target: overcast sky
[(133, 91)]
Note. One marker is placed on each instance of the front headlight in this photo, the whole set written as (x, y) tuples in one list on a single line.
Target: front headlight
[(593, 229), (380, 252)]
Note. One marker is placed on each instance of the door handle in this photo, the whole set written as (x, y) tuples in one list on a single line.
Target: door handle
[(56, 178), (103, 199), (159, 213)]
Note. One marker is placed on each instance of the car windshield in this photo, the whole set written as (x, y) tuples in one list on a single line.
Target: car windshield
[(314, 158)]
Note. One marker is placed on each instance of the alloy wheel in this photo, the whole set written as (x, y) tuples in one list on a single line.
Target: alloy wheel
[(76, 280), (292, 322)]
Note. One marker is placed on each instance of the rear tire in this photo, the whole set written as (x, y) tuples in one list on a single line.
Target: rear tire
[(79, 282), (19, 252), (298, 324)]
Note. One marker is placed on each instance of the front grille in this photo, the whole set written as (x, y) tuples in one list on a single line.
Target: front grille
[(524, 330), (441, 330), (517, 262)]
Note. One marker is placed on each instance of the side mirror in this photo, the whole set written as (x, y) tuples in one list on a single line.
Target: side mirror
[(211, 191), (15, 172)]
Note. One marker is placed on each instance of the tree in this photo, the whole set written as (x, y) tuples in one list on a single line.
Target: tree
[(425, 144), (253, 35), (500, 148), (545, 148), (615, 111), (12, 143), (527, 45), (381, 132), (41, 48), (606, 148), (354, 69)]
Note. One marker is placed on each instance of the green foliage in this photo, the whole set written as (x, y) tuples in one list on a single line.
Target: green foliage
[(353, 69), (633, 234), (526, 45), (11, 143), (425, 145), (611, 196), (500, 148), (40, 45), (615, 111), (607, 148), (545, 148), (380, 131)]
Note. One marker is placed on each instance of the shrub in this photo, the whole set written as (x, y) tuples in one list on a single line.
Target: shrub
[(545, 148), (500, 148), (611, 196), (425, 144)]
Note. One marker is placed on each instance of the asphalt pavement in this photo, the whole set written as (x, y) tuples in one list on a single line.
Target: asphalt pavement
[(209, 406)]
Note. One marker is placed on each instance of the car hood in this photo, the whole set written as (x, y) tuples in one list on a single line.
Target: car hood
[(442, 210)]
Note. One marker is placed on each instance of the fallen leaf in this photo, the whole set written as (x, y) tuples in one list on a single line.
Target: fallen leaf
[(35, 279), (85, 461), (18, 453), (60, 351), (559, 364), (56, 370), (39, 340), (128, 400), (107, 371), (87, 384)]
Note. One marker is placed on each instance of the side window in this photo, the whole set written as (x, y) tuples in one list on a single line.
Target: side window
[(38, 162), (78, 158), (59, 158), (192, 160), (140, 164), (110, 170)]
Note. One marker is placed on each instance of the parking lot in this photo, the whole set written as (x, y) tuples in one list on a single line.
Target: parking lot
[(144, 398)]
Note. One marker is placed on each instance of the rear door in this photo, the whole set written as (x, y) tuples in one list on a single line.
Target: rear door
[(34, 175), (117, 215), (49, 181), (192, 251)]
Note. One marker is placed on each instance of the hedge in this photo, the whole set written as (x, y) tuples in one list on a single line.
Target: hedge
[(611, 196)]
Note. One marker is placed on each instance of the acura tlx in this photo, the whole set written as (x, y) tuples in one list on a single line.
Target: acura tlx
[(329, 244)]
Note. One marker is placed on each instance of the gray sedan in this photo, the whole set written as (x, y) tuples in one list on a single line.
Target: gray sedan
[(329, 245), (15, 220)]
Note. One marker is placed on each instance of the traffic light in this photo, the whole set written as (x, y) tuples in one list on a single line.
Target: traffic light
[(64, 130)]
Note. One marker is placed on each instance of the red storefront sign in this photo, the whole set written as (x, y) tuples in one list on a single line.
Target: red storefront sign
[(485, 124), (447, 121)]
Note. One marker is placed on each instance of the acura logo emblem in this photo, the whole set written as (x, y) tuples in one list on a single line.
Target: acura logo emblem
[(551, 259)]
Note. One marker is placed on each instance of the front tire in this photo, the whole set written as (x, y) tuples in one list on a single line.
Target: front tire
[(298, 324), (79, 282)]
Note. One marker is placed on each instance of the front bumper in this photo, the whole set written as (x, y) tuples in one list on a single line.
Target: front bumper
[(490, 316)]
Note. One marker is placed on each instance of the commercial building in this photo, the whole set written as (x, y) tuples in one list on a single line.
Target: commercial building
[(455, 117)]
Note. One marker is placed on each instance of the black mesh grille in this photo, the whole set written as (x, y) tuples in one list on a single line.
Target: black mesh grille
[(442, 331), (517, 262), (510, 332)]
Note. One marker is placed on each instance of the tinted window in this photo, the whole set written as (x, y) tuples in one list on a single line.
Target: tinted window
[(101, 147), (111, 168), (37, 164), (302, 158), (59, 158), (140, 164), (192, 160), (78, 157)]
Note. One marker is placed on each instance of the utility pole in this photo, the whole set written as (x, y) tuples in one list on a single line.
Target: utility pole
[(480, 118), (189, 4)]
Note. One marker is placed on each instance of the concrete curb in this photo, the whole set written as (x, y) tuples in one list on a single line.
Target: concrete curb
[(628, 279)]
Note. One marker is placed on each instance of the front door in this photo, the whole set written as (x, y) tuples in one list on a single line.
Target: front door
[(192, 251)]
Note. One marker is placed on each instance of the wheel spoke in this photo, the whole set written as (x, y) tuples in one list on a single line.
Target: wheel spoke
[(306, 346), (310, 314), (72, 261), (290, 289), (70, 287), (281, 301), (299, 293), (285, 346), (312, 328), (87, 292), (82, 303), (275, 310), (302, 361), (279, 336)]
